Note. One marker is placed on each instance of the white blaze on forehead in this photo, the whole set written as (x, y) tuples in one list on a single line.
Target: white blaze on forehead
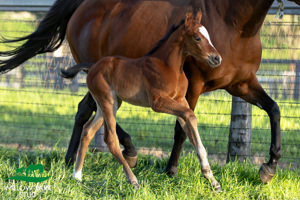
[(204, 32)]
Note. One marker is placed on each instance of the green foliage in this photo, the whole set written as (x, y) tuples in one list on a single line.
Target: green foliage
[(103, 178)]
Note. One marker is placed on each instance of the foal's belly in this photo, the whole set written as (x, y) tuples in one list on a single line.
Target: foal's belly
[(131, 90), (137, 98)]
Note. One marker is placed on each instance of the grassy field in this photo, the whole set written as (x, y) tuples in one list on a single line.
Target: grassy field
[(103, 178), (41, 116)]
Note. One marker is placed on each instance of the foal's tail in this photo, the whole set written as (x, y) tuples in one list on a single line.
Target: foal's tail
[(48, 36), (71, 72)]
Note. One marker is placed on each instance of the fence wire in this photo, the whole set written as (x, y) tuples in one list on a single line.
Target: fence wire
[(37, 106)]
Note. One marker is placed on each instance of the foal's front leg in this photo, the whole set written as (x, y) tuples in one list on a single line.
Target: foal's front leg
[(188, 122)]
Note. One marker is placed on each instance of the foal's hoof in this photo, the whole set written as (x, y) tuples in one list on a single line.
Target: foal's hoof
[(135, 185), (217, 188), (132, 161), (266, 173), (77, 175)]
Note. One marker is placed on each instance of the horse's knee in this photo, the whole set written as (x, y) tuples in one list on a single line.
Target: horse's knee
[(274, 112), (190, 117), (86, 135), (83, 115)]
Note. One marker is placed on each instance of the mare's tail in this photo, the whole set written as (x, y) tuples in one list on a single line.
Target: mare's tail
[(71, 72), (48, 36)]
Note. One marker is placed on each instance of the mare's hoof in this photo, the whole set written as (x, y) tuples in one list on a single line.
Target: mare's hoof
[(132, 161), (266, 173), (172, 171), (69, 162)]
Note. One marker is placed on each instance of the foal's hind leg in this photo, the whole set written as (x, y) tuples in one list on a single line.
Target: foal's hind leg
[(253, 93), (88, 133), (85, 110), (188, 121), (109, 108)]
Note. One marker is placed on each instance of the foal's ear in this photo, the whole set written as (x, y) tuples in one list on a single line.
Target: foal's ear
[(199, 16), (188, 19)]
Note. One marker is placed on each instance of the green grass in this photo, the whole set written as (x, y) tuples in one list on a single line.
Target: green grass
[(103, 178), (45, 116)]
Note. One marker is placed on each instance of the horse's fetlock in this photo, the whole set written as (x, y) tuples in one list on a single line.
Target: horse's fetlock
[(275, 152), (86, 136), (127, 140), (206, 171)]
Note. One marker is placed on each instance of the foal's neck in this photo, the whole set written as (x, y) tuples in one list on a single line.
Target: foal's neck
[(172, 51)]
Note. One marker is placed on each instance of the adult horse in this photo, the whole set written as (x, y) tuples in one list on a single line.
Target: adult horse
[(98, 28)]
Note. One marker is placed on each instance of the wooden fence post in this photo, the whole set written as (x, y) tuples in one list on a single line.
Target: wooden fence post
[(239, 143), (74, 86), (99, 140), (19, 77), (297, 81)]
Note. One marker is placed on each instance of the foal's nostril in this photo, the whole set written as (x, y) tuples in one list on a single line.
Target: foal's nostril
[(215, 60)]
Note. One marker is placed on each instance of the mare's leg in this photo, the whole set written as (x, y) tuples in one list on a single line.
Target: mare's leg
[(179, 138), (192, 96), (188, 122), (85, 109), (253, 93), (129, 152), (88, 133)]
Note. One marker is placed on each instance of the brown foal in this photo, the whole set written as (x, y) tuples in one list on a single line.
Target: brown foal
[(155, 80)]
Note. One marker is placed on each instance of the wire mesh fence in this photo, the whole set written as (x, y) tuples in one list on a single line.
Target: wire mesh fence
[(37, 106)]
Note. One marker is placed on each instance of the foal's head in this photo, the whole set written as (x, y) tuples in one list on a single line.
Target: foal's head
[(197, 41)]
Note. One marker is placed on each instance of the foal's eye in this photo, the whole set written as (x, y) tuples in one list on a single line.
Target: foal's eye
[(197, 39)]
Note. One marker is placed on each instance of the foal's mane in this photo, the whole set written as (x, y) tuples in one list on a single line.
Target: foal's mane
[(165, 37)]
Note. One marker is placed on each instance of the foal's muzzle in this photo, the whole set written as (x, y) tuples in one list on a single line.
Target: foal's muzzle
[(214, 60)]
